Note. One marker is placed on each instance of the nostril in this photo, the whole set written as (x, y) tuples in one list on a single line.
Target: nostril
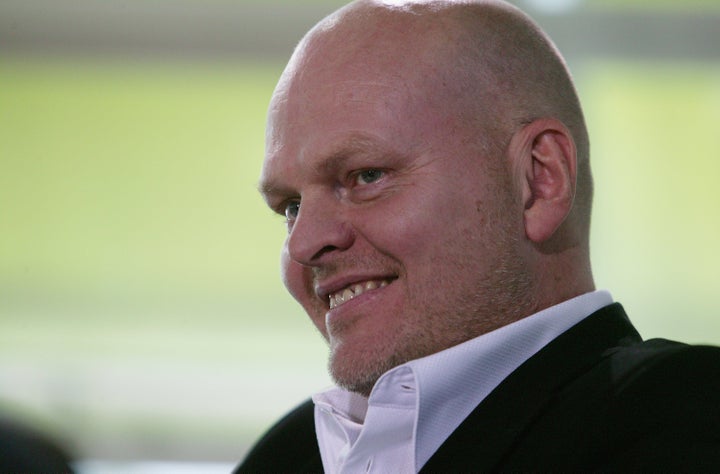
[(323, 251)]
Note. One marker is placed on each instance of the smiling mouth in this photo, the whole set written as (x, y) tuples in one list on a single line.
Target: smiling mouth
[(356, 289)]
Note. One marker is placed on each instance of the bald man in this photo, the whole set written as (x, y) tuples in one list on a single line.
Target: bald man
[(432, 162)]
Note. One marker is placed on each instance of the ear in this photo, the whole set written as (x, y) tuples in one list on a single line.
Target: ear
[(544, 158)]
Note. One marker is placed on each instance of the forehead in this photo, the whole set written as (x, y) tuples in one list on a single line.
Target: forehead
[(376, 56), (351, 89), (324, 116)]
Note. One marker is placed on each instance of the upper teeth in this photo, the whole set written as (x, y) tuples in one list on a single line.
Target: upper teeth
[(351, 291)]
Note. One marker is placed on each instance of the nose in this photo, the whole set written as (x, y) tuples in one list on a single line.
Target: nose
[(320, 228)]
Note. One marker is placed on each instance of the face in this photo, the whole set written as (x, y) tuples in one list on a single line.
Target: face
[(403, 230)]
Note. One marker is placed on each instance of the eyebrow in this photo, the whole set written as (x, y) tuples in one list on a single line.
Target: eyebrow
[(271, 188), (353, 146), (334, 160)]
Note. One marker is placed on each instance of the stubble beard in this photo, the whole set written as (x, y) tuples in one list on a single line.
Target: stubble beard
[(500, 298), (361, 375)]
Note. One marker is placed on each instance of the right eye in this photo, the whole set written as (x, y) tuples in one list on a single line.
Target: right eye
[(291, 210)]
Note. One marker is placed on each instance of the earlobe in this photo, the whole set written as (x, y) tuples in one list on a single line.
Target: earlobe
[(549, 162)]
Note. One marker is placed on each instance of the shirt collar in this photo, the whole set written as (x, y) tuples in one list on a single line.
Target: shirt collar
[(445, 387), (451, 383)]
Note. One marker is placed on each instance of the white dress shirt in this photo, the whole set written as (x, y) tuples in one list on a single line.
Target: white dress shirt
[(413, 408)]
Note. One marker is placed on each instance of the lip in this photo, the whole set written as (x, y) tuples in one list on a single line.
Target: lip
[(324, 289)]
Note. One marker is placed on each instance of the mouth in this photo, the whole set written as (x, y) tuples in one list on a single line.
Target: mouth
[(344, 295)]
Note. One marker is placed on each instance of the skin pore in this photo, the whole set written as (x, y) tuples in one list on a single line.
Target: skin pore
[(426, 157)]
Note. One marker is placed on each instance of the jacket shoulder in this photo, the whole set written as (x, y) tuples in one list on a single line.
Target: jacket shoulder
[(646, 407), (667, 398), (666, 368), (670, 381), (288, 446)]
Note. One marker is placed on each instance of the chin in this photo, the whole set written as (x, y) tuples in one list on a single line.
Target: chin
[(355, 386), (357, 372)]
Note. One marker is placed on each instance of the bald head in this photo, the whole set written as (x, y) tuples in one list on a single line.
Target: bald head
[(485, 60)]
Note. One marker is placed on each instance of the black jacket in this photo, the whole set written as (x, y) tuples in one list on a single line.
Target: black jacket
[(597, 398)]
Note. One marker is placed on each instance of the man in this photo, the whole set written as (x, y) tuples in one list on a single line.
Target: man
[(432, 161)]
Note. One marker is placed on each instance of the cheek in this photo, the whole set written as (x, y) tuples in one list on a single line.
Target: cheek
[(420, 221)]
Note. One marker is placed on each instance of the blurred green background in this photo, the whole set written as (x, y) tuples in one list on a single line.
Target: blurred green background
[(141, 312)]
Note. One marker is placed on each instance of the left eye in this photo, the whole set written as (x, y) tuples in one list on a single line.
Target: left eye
[(368, 176)]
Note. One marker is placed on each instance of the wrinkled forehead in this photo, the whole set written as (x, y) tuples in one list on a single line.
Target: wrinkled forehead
[(317, 116), (386, 74)]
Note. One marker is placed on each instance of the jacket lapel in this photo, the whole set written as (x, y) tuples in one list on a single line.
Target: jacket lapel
[(488, 433)]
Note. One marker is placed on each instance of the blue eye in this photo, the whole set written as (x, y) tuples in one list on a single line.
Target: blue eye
[(291, 210), (368, 176)]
